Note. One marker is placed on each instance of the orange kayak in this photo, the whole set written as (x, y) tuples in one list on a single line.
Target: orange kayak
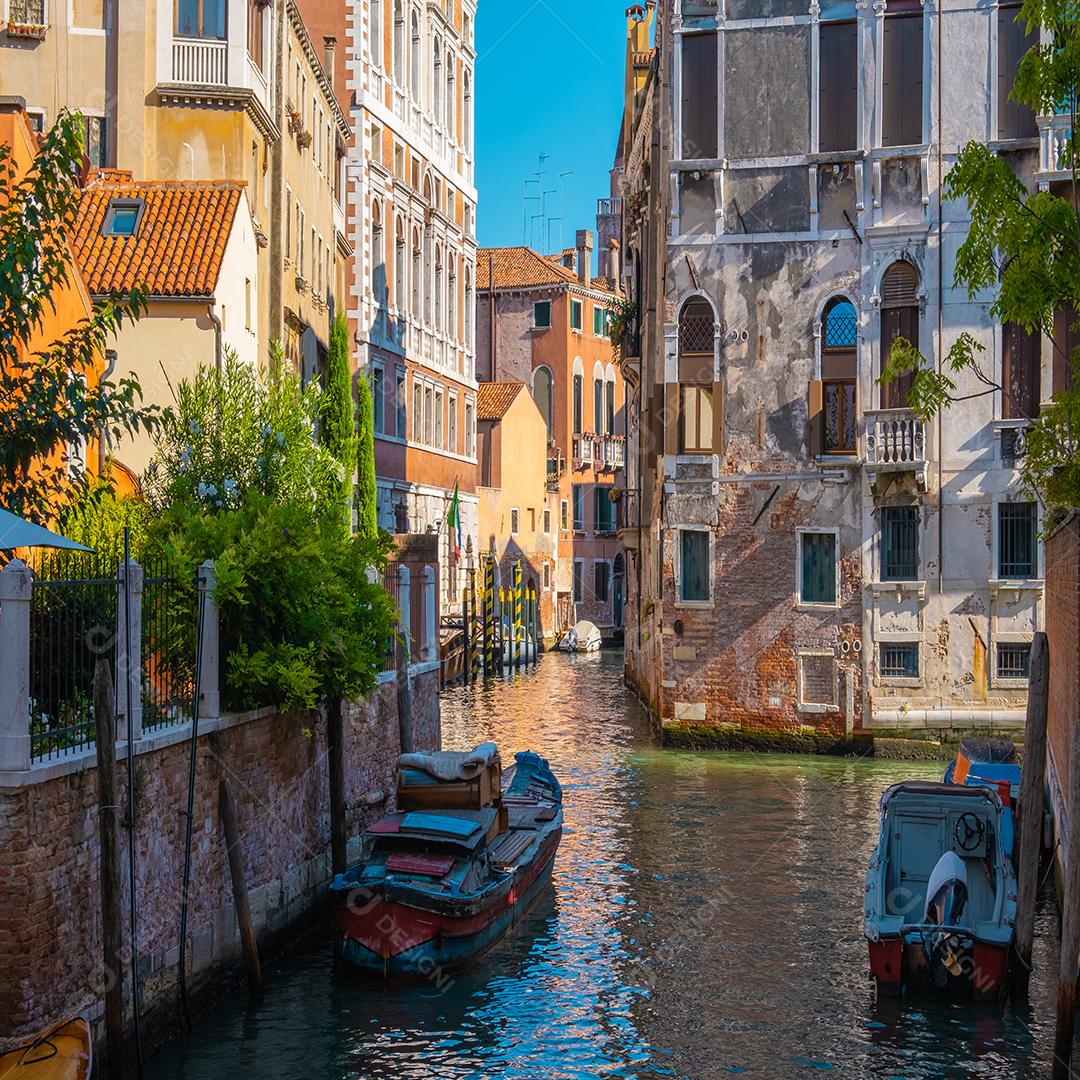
[(62, 1052)]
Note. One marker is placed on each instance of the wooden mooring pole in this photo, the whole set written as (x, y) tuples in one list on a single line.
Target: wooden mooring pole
[(239, 889), (112, 916), (335, 755), (1030, 810)]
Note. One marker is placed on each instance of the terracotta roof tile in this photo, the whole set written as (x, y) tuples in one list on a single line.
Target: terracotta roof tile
[(523, 268), (180, 242), (493, 399)]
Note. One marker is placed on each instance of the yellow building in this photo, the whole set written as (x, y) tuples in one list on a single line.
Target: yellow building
[(206, 90)]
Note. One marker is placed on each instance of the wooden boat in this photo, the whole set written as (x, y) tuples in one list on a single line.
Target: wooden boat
[(62, 1052), (451, 652), (465, 856), (990, 763), (940, 891), (584, 637)]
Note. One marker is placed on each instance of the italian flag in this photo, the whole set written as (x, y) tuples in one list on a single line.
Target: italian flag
[(453, 521)]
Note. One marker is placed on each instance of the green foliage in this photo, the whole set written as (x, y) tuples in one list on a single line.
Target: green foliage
[(337, 413), (367, 509), (300, 622), (232, 434), (1025, 249), (99, 520), (621, 315), (50, 397)]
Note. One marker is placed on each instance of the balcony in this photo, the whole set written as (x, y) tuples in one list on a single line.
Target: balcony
[(1054, 135), (200, 63), (895, 441), (608, 207), (584, 450), (612, 452), (631, 520), (556, 469)]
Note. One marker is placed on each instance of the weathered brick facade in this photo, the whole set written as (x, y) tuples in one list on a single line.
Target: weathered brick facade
[(50, 921)]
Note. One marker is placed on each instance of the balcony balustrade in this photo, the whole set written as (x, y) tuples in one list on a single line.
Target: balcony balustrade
[(200, 63), (1054, 135), (895, 441)]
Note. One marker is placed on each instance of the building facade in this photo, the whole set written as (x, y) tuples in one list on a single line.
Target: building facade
[(807, 553), (545, 322), (412, 208)]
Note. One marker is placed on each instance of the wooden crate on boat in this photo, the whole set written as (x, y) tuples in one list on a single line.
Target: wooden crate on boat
[(419, 791)]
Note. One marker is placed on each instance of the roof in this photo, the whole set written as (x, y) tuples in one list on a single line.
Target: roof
[(180, 242), (523, 268), (493, 399)]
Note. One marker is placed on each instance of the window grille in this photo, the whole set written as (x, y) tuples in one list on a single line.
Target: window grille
[(899, 543), (900, 660), (1017, 541), (696, 328), (1013, 659)]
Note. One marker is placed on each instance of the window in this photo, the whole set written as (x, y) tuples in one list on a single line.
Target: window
[(415, 70), (543, 392), (514, 520), (402, 404), (417, 275), (27, 12), (575, 315), (439, 420), (598, 403), (693, 566), (817, 681), (838, 426), (375, 29), (579, 507), (600, 321), (1015, 121), (547, 520), (902, 74), (1013, 659), (247, 303), (288, 223), (899, 660), (547, 575), (817, 568), (378, 401), (399, 266), (579, 591), (695, 420), (899, 319), (542, 315), (899, 543), (378, 255), (256, 15), (418, 413), (603, 510), (699, 96), (122, 217), (578, 390), (95, 144), (601, 573), (429, 416), (1018, 543), (1021, 360), (452, 439), (564, 519), (838, 94), (399, 43), (610, 407), (201, 18), (469, 433)]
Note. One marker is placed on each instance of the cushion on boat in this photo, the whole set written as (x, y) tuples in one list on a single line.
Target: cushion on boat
[(437, 823), (402, 862), (447, 765)]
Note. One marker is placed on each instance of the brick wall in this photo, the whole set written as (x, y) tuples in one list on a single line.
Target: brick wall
[(50, 922), (1063, 637)]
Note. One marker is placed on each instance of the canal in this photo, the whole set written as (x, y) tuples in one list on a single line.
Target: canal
[(705, 921)]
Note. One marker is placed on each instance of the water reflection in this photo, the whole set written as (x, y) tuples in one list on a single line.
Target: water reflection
[(706, 921)]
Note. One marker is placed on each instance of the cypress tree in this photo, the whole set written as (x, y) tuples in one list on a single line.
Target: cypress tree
[(367, 517), (337, 414)]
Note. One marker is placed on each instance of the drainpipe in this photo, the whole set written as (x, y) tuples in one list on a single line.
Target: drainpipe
[(217, 333), (276, 289), (493, 319), (940, 303), (106, 375)]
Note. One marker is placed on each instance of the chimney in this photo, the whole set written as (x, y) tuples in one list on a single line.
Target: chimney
[(614, 269), (584, 256), (329, 44)]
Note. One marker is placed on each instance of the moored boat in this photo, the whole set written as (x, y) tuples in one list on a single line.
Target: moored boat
[(940, 891), (990, 763), (465, 856), (582, 638), (62, 1052)]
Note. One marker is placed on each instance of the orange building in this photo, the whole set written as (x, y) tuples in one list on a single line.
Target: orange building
[(69, 302), (543, 321)]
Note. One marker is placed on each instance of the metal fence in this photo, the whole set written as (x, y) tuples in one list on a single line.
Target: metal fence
[(169, 616), (72, 626), (391, 582)]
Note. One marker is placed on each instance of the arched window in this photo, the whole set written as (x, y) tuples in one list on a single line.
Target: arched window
[(899, 319), (399, 266), (429, 277), (417, 274), (543, 392), (451, 95), (399, 43), (697, 346), (375, 30), (415, 70), (451, 298), (378, 256), (838, 429), (438, 288), (598, 400), (466, 113), (609, 403), (578, 394), (436, 80), (470, 307)]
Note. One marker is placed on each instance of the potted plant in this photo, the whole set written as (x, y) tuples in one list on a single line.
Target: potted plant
[(303, 139), (26, 30)]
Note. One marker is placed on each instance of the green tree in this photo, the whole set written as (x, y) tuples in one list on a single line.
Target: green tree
[(337, 412), (367, 514), (1025, 247), (51, 399)]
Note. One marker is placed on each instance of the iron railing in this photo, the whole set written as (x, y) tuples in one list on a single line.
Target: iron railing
[(73, 611), (169, 617)]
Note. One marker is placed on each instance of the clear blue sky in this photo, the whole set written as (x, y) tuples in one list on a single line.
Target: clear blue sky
[(549, 79)]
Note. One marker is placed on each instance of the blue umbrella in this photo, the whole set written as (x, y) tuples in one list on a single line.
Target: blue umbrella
[(17, 533)]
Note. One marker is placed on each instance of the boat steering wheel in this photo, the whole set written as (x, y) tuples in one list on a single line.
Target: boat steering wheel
[(969, 831)]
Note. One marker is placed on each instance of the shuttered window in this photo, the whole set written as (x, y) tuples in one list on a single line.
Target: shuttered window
[(902, 79), (1066, 342), (693, 565), (817, 568), (839, 409), (1020, 363), (838, 94), (899, 319), (699, 123), (1014, 121), (695, 419)]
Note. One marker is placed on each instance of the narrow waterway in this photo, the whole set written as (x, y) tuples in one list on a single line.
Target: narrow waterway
[(705, 921)]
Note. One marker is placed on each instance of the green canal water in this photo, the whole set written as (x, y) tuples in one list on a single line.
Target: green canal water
[(705, 921)]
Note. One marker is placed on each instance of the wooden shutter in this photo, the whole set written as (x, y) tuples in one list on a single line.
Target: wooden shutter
[(815, 418), (897, 322), (902, 81), (671, 418), (1015, 121), (1020, 372), (718, 417), (839, 91), (1066, 341), (699, 93)]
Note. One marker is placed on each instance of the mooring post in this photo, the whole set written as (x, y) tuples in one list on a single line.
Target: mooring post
[(112, 916), (489, 619), (1070, 924), (239, 889), (335, 768), (1030, 810), (403, 659)]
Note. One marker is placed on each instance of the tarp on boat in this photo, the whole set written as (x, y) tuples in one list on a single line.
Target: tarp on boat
[(450, 765)]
